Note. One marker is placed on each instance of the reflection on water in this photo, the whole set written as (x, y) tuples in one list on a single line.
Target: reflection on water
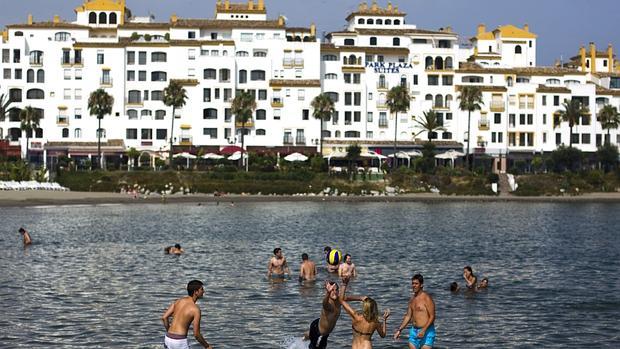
[(97, 275)]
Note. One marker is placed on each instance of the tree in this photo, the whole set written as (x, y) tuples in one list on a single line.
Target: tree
[(175, 97), (429, 123), (100, 104), (572, 112), (29, 118), (323, 109), (5, 103), (397, 101), (609, 118), (353, 154), (132, 156), (607, 155), (243, 106), (470, 100)]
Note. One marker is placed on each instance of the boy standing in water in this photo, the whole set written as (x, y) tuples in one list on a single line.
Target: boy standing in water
[(421, 314), (26, 236), (277, 264), (184, 312), (307, 270)]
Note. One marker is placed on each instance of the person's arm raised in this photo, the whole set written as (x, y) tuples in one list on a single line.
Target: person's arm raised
[(382, 329), (197, 334)]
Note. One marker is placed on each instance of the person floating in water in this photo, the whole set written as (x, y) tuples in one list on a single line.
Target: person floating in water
[(184, 313), (176, 249), (347, 269), (26, 236), (330, 268), (484, 283), (278, 266), (307, 270), (366, 322), (321, 328), (454, 287), (470, 279), (421, 315)]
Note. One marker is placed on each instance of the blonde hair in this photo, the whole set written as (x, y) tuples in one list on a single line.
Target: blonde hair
[(370, 310)]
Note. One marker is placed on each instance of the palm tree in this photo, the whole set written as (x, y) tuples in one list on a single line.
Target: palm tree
[(132, 155), (243, 106), (100, 104), (470, 100), (175, 97), (323, 108), (609, 118), (429, 123), (573, 110), (29, 118), (353, 154), (397, 101), (5, 103)]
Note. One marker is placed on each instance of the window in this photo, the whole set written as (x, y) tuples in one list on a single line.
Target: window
[(243, 76), (191, 34), (257, 75), (305, 114), (66, 93), (160, 114), (159, 76), (260, 53), (78, 94), (92, 18), (131, 133), (142, 75), (333, 96), (134, 97), (132, 114), (518, 50), (261, 132), (373, 41), (100, 133), (357, 78), (351, 134), (369, 117), (77, 113), (146, 133), (330, 58), (161, 134), (349, 42), (209, 114), (370, 21), (103, 18), (497, 118), (7, 74), (78, 74), (357, 98), (209, 74), (261, 114), (210, 132), (112, 18), (191, 54), (396, 42), (62, 36), (433, 80), (301, 95), (544, 100), (446, 80), (35, 93), (473, 79), (225, 75), (157, 95), (77, 133), (556, 101), (131, 75), (262, 95), (347, 98), (131, 57), (276, 114), (100, 57), (331, 76), (40, 76), (158, 57), (247, 37)]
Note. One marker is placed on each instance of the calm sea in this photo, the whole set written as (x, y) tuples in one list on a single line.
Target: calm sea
[(97, 276)]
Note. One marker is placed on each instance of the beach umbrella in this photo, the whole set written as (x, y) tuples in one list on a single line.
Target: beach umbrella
[(237, 155), (185, 155), (212, 156), (450, 155), (230, 150), (295, 157), (335, 155)]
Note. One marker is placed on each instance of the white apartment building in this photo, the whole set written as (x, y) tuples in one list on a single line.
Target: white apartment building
[(54, 65)]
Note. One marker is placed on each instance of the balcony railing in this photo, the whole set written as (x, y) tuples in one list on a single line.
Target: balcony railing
[(277, 102), (287, 140), (72, 61), (36, 61), (299, 63), (483, 124), (300, 140), (62, 120), (107, 81), (383, 85), (383, 123), (381, 105), (185, 140), (498, 106)]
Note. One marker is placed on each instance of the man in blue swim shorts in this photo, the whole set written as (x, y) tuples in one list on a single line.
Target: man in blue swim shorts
[(421, 315)]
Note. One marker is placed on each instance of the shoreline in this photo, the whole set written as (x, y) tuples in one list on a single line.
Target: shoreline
[(54, 198)]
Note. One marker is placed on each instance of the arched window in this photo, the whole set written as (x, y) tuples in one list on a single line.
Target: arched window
[(134, 97), (403, 80), (146, 114), (448, 101), (370, 21), (446, 135), (19, 33), (345, 60), (333, 96), (349, 42), (15, 95), (209, 74), (36, 57), (518, 50), (92, 18), (103, 18), (331, 76), (352, 59), (379, 22), (77, 133), (30, 75), (160, 114), (35, 93), (329, 58), (159, 76), (509, 81), (257, 75), (243, 76), (382, 98), (132, 114), (209, 114), (62, 36), (327, 134), (112, 18), (261, 114), (261, 132), (158, 57), (552, 82), (242, 54), (361, 21), (428, 97), (40, 76), (438, 101), (259, 53), (396, 42), (373, 41), (388, 22), (397, 22), (337, 134), (438, 63), (351, 134), (428, 62), (448, 63)]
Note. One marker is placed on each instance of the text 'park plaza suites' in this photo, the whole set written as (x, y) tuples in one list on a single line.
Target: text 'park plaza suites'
[(53, 66)]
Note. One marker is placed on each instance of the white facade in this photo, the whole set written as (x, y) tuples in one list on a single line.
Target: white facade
[(55, 65)]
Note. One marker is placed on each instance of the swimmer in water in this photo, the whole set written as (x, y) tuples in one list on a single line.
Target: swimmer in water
[(307, 270), (26, 236), (278, 266), (483, 284), (470, 279), (347, 269), (176, 249)]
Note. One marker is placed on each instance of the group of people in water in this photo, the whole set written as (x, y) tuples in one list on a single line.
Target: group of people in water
[(471, 282)]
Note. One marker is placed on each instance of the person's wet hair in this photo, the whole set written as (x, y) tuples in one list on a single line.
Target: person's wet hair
[(22, 230), (468, 268), (304, 256), (346, 255), (177, 246), (193, 286), (276, 250), (327, 249), (418, 277), (370, 310), (454, 287)]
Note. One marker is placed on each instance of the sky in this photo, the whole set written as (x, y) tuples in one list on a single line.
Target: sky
[(561, 25)]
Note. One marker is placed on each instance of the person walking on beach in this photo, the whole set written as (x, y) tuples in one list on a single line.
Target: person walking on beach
[(321, 328), (470, 279), (278, 266), (421, 315), (366, 322), (347, 269), (26, 236), (307, 270), (184, 312), (330, 268)]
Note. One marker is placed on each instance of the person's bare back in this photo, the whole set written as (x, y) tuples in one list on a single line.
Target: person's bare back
[(184, 312), (307, 270)]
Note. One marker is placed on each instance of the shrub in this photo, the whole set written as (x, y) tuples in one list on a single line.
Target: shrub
[(493, 178), (607, 156), (565, 159)]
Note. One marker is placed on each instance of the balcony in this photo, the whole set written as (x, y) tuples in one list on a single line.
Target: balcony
[(277, 103), (484, 124), (287, 140), (185, 140), (381, 105), (62, 120), (300, 140), (383, 86), (288, 62), (498, 106), (105, 81), (135, 102), (36, 62), (383, 123), (298, 62), (248, 124)]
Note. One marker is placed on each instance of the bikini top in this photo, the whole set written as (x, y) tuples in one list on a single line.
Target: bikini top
[(361, 333)]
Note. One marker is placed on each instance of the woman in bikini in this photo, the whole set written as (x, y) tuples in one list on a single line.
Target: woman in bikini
[(365, 323)]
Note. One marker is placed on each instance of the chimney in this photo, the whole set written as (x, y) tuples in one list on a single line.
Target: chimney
[(481, 29), (610, 55), (582, 55), (5, 35), (174, 18), (30, 20), (226, 4), (56, 19), (374, 7), (448, 29), (313, 29), (250, 4), (281, 21), (526, 27), (363, 6), (592, 58), (389, 6), (261, 5)]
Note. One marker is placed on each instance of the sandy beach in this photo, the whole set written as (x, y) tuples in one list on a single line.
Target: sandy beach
[(45, 198)]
